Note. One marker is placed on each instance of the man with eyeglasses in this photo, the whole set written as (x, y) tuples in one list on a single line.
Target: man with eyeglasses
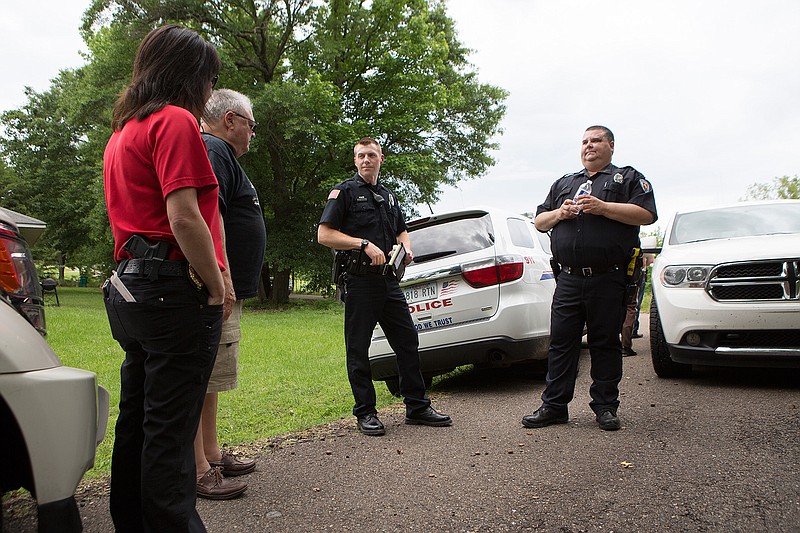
[(363, 219), (228, 127)]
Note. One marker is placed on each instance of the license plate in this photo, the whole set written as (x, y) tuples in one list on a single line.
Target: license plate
[(421, 292)]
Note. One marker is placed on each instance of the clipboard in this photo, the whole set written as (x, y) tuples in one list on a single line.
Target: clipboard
[(397, 261)]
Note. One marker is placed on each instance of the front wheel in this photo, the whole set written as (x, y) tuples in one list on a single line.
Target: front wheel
[(663, 364)]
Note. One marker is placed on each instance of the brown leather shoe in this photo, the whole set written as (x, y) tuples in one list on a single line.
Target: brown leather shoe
[(213, 486), (233, 466)]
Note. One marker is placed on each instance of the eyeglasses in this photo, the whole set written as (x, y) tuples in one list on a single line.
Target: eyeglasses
[(214, 81), (251, 123)]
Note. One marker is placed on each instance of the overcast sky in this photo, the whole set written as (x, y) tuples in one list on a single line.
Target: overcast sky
[(702, 96)]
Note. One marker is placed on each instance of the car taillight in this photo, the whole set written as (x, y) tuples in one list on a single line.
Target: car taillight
[(8, 274), (18, 279), (484, 274)]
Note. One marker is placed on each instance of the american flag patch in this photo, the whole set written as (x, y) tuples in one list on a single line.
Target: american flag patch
[(334, 194), (448, 287)]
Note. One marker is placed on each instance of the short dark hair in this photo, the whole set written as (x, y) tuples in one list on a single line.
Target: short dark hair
[(606, 132), (366, 141), (173, 65)]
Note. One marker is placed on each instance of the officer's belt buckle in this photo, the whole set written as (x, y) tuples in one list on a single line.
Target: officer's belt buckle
[(587, 272)]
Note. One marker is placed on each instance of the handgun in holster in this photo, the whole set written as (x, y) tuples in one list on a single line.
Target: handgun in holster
[(142, 248), (556, 268), (339, 272), (633, 274)]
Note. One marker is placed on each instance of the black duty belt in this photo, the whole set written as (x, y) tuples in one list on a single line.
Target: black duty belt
[(374, 270), (143, 267), (588, 272)]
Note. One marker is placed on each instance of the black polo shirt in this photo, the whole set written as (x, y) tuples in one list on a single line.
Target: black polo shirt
[(245, 229), (592, 240), (361, 210)]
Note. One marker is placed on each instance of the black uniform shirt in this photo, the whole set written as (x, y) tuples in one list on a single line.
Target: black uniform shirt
[(361, 210), (245, 230), (592, 240)]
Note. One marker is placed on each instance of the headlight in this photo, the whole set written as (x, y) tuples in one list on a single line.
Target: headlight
[(685, 276)]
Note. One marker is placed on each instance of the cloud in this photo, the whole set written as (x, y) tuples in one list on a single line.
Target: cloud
[(700, 95)]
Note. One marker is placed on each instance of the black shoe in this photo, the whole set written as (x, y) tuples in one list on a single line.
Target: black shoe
[(627, 352), (608, 420), (370, 425), (545, 416), (636, 335), (428, 417)]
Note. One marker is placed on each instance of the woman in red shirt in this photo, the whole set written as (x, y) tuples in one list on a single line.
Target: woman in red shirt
[(161, 196)]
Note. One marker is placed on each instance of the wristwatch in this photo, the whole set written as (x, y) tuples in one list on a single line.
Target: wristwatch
[(364, 243)]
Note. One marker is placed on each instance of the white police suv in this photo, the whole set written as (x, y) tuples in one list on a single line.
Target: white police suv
[(479, 292)]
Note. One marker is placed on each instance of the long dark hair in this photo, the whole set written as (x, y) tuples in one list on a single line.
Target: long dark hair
[(173, 65)]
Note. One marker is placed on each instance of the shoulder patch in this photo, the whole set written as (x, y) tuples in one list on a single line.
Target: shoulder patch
[(334, 194), (645, 185)]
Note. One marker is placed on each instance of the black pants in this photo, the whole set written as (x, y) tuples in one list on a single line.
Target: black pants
[(599, 303), (170, 337), (378, 299)]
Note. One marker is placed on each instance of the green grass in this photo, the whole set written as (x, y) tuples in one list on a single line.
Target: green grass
[(292, 372)]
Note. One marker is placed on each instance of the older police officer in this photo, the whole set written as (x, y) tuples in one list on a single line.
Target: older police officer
[(592, 238), (363, 217)]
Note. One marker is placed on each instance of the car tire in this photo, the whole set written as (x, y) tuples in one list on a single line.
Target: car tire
[(663, 364)]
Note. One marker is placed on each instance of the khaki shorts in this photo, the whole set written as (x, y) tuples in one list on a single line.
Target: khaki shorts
[(225, 375)]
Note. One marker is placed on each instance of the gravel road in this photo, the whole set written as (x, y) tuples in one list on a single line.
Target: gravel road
[(718, 452)]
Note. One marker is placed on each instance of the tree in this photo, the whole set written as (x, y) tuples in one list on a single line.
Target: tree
[(321, 75), (780, 188), (52, 179)]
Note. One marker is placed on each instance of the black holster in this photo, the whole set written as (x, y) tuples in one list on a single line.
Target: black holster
[(556, 268), (155, 251)]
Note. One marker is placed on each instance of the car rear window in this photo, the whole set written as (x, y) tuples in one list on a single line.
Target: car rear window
[(454, 236)]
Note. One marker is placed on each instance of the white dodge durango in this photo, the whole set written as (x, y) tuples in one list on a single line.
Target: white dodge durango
[(726, 289)]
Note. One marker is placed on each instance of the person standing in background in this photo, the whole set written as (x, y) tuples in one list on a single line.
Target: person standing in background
[(362, 218), (228, 126)]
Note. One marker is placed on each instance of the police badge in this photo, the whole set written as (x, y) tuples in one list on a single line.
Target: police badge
[(618, 178)]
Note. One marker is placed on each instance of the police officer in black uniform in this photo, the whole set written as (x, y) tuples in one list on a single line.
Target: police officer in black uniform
[(593, 238), (363, 218)]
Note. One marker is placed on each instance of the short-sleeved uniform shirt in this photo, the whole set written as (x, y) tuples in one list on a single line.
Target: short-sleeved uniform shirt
[(361, 210), (245, 231), (592, 240), (143, 163)]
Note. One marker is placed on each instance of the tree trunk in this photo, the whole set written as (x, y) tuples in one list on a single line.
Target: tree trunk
[(62, 258), (264, 284), (280, 286)]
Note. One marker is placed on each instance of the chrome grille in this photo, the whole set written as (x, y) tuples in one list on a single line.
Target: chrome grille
[(773, 280)]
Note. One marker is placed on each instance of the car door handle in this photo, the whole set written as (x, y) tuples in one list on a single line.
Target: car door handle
[(425, 317)]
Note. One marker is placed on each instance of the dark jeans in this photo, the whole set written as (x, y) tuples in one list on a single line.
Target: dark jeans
[(378, 299), (599, 303), (170, 337)]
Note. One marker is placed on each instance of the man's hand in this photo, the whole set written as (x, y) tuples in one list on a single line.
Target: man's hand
[(568, 210), (592, 205), (230, 295), (375, 254)]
